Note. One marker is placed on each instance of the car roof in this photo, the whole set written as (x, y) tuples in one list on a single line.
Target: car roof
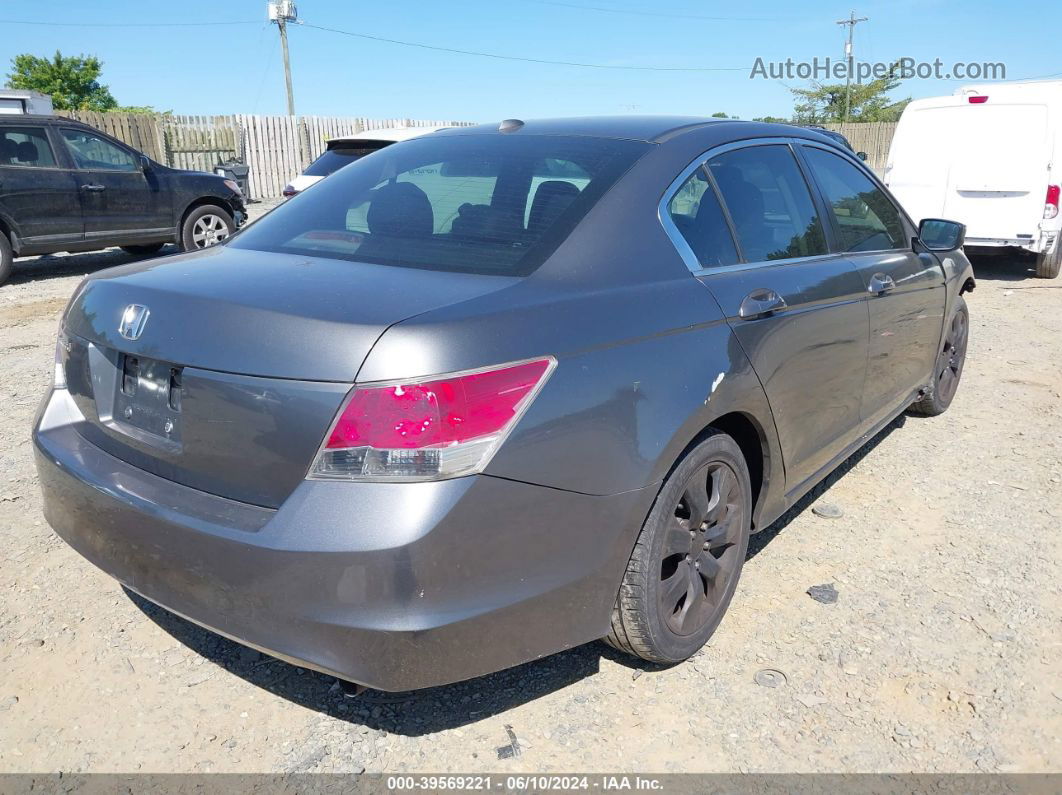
[(653, 129), (14, 118)]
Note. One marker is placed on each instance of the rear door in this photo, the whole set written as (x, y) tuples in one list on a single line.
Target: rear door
[(118, 199), (906, 295), (37, 191), (798, 311)]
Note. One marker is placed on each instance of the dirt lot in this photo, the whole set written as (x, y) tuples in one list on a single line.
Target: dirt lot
[(943, 652)]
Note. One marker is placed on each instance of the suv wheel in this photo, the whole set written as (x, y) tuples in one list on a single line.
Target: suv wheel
[(686, 563), (7, 258), (206, 226)]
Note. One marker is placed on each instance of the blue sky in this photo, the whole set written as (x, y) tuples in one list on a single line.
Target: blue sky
[(236, 68)]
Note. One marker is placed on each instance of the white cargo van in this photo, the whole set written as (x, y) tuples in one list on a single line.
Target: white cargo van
[(987, 156)]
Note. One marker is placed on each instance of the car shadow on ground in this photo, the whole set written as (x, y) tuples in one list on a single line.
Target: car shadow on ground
[(55, 266), (450, 706)]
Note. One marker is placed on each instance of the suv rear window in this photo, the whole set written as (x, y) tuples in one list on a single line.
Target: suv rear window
[(335, 157), (470, 203)]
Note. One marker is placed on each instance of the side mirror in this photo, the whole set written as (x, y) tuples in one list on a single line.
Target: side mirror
[(145, 164), (936, 234), (862, 156)]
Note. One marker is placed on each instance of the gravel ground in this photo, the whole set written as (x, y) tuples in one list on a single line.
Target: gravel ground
[(941, 653)]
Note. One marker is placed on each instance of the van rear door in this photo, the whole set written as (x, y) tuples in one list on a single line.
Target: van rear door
[(984, 164)]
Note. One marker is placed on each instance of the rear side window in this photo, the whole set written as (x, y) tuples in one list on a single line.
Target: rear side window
[(696, 213), (472, 203), (25, 146), (866, 220), (96, 153), (335, 158), (769, 202)]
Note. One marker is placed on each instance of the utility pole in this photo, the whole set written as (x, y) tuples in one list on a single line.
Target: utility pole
[(282, 12), (851, 22)]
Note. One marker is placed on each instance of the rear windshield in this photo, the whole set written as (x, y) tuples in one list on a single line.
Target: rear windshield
[(475, 203), (336, 157)]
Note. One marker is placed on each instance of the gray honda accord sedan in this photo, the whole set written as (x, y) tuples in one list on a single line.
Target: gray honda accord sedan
[(497, 392)]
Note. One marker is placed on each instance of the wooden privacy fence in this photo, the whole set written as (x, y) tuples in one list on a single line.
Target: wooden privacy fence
[(276, 148), (873, 138)]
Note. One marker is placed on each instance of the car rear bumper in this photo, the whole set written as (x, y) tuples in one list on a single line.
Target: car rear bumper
[(394, 586)]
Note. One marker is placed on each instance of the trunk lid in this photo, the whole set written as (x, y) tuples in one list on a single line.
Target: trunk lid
[(242, 361)]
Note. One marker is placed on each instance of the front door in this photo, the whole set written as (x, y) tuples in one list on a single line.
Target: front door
[(798, 311), (117, 196), (906, 294), (37, 192)]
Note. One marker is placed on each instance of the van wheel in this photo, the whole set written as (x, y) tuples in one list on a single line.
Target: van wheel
[(948, 369), (687, 560), (206, 226), (143, 251), (7, 258), (1048, 263)]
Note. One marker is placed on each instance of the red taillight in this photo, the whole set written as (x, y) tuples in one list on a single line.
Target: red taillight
[(1051, 203), (427, 430), (978, 100)]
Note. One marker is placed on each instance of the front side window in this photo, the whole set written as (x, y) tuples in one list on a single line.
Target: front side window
[(97, 154), (472, 203), (696, 213), (866, 219), (769, 202), (25, 146)]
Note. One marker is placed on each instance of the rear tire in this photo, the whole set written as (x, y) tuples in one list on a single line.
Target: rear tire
[(688, 558), (1049, 263), (143, 251), (948, 369), (206, 226), (7, 258)]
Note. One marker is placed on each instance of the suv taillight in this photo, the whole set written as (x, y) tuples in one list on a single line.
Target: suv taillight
[(1051, 203), (430, 429)]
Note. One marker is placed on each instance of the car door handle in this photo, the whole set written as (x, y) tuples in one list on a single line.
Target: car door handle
[(760, 303), (881, 283), (94, 188)]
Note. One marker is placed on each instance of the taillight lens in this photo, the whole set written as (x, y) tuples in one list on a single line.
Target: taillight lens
[(978, 99), (429, 429), (61, 344), (1051, 203)]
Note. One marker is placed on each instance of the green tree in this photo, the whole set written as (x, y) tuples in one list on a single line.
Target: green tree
[(72, 82), (771, 119), (720, 115), (825, 102)]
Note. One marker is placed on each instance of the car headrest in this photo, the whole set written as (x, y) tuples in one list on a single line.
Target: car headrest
[(8, 149), (27, 152), (401, 209), (551, 199)]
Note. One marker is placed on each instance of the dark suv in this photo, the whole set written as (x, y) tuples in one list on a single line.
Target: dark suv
[(65, 186)]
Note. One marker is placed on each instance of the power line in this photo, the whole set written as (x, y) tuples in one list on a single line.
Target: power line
[(500, 57), (664, 14), (121, 24)]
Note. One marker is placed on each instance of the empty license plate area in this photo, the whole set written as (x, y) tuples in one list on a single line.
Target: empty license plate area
[(147, 398)]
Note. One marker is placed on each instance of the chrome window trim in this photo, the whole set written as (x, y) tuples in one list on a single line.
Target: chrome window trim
[(679, 242)]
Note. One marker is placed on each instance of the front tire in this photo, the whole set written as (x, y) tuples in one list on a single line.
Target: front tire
[(948, 369), (7, 258), (688, 558), (206, 226), (1049, 263)]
